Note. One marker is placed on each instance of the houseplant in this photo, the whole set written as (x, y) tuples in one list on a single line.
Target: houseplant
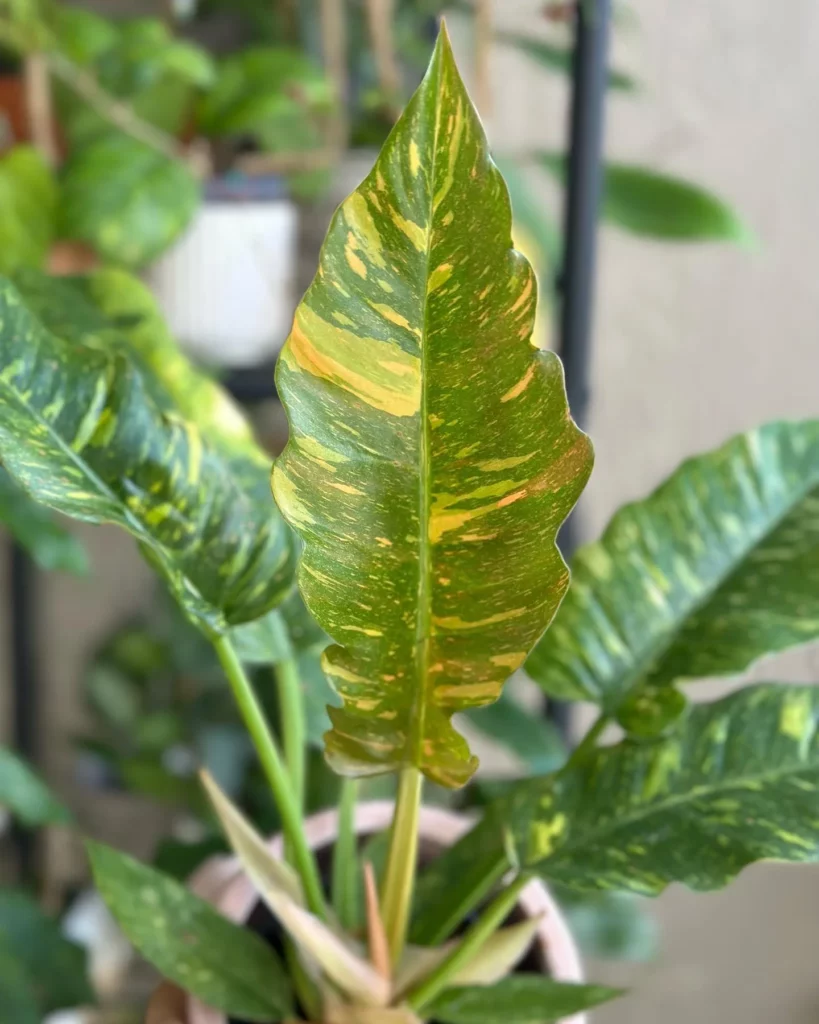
[(148, 129), (41, 971), (430, 464)]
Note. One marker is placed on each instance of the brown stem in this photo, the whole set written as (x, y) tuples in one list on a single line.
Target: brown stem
[(483, 56), (334, 48), (256, 164), (118, 114), (39, 107), (380, 17)]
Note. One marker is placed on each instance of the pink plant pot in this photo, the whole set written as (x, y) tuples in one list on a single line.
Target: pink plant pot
[(222, 882)]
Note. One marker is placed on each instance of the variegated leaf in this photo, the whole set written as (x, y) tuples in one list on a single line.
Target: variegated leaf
[(228, 967), (736, 782), (432, 458), (86, 432), (719, 566)]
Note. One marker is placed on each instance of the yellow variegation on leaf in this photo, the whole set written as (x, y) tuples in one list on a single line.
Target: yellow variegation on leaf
[(432, 458)]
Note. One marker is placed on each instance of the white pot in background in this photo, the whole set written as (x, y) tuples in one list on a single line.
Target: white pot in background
[(226, 286)]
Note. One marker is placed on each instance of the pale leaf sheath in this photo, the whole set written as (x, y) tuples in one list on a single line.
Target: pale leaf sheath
[(432, 458)]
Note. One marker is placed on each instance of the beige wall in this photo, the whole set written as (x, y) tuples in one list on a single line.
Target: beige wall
[(692, 344)]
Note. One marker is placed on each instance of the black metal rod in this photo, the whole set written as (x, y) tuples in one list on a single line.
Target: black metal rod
[(22, 578), (584, 177)]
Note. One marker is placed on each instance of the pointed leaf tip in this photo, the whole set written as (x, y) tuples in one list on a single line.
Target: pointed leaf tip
[(431, 457)]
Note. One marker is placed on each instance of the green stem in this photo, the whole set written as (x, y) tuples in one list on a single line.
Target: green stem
[(399, 876), (291, 707), (483, 929), (345, 860), (589, 741), (274, 768)]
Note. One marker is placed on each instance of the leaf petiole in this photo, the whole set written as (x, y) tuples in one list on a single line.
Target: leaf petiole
[(399, 876), (486, 925), (274, 768)]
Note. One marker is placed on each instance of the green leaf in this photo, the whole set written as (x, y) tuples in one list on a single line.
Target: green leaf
[(82, 35), (81, 431), (431, 457), (609, 925), (18, 1003), (228, 967), (520, 999), (526, 733), (531, 217), (557, 57), (36, 530), (56, 967), (735, 783), (28, 209), (26, 796), (263, 89), (650, 711), (655, 205), (126, 199), (719, 566)]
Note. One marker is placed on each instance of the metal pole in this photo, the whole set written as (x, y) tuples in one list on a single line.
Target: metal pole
[(584, 175), (576, 284)]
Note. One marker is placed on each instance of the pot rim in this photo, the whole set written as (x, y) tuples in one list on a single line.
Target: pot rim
[(220, 881)]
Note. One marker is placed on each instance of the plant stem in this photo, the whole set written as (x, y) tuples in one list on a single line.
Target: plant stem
[(345, 861), (486, 925), (291, 707), (589, 741), (399, 877), (274, 768)]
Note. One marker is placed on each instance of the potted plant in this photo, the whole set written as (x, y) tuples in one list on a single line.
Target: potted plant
[(430, 464), (150, 125)]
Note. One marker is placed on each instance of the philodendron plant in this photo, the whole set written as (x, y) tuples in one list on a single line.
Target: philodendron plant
[(430, 464)]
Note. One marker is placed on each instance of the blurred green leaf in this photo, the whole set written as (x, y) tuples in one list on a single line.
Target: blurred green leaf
[(655, 205), (38, 531), (226, 966), (28, 209), (609, 925), (518, 999), (125, 199), (557, 57), (524, 732), (18, 1003), (264, 90), (54, 966), (26, 796), (113, 695), (530, 214), (179, 859), (649, 711), (82, 35)]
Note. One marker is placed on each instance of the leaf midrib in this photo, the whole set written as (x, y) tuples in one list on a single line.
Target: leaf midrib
[(424, 619), (696, 793), (133, 522)]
